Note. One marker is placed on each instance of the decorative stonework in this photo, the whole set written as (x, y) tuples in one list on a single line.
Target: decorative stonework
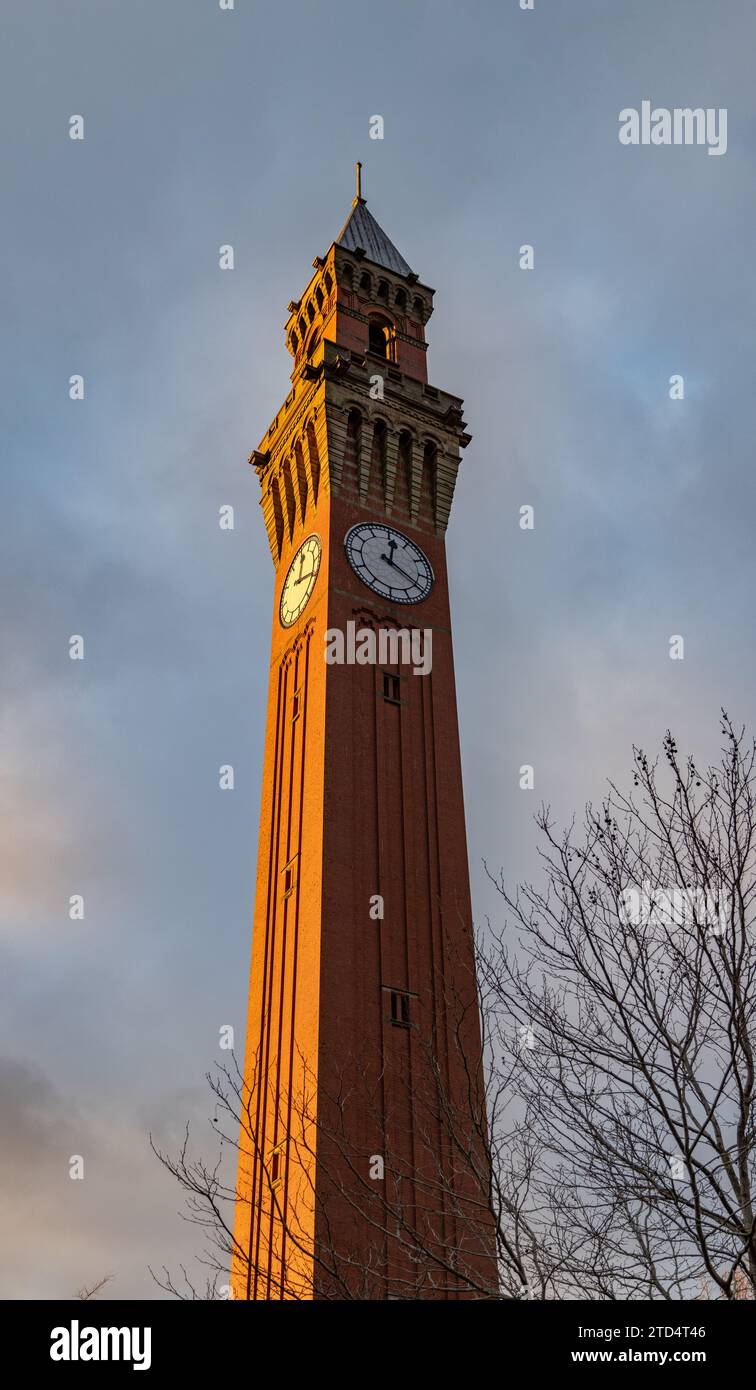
[(304, 458), (302, 639)]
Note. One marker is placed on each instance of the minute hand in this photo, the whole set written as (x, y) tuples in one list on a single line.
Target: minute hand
[(394, 566)]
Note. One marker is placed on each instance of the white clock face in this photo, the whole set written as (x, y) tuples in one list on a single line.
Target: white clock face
[(388, 562), (300, 580)]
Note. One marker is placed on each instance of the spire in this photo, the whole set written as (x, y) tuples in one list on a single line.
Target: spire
[(361, 232)]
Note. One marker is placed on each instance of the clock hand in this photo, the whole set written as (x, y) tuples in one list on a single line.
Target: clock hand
[(406, 575), (398, 567)]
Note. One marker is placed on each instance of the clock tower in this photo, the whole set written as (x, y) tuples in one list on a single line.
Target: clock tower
[(363, 1169)]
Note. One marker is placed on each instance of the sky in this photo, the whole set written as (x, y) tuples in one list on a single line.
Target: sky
[(204, 128)]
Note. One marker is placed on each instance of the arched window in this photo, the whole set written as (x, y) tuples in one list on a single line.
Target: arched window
[(294, 343), (310, 311), (277, 513), (427, 505), (383, 290), (365, 281), (288, 487), (328, 282), (319, 297), (401, 299), (380, 334), (419, 306), (348, 276)]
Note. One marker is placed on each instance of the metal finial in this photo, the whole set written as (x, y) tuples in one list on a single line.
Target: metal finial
[(358, 179)]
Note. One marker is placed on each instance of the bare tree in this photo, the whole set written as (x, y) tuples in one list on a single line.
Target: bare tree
[(92, 1290), (631, 995), (434, 1213), (609, 1143)]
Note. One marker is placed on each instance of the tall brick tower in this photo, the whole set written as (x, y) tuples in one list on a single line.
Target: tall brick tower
[(362, 1168)]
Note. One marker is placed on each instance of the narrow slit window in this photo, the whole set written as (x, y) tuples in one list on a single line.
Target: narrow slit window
[(290, 877), (400, 1008), (391, 688), (296, 708), (277, 1165)]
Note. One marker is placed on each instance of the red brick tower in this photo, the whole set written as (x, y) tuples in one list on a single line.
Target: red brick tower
[(362, 1169)]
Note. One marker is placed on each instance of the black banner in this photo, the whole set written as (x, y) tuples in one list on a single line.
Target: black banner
[(60, 1340)]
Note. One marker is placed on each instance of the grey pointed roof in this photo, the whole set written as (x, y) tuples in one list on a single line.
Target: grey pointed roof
[(361, 231)]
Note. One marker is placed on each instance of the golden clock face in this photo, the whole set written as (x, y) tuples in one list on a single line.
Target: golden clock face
[(300, 580)]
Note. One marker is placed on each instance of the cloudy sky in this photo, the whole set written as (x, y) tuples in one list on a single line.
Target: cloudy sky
[(204, 128)]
